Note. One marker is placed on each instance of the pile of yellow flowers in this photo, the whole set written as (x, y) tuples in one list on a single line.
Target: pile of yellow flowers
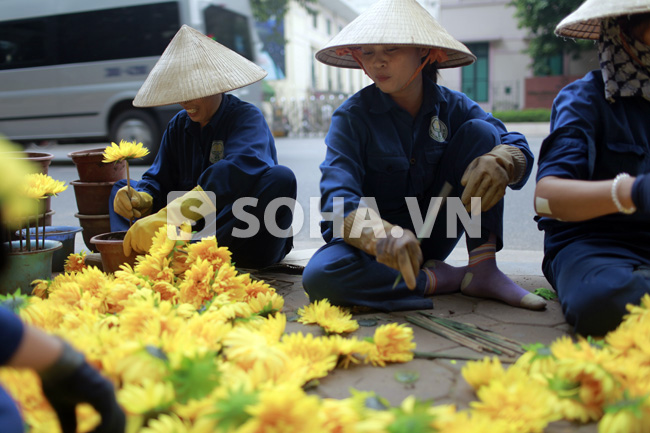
[(194, 346)]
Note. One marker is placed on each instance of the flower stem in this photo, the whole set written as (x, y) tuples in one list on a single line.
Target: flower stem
[(128, 187)]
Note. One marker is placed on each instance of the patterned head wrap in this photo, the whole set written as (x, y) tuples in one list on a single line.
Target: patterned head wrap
[(624, 61)]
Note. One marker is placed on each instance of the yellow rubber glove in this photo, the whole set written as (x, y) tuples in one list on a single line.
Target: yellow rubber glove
[(137, 206), (140, 236), (398, 248), (489, 175)]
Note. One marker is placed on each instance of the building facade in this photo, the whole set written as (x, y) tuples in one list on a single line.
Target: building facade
[(501, 78), (305, 98)]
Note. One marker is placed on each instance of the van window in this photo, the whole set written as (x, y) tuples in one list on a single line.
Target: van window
[(91, 36), (230, 29)]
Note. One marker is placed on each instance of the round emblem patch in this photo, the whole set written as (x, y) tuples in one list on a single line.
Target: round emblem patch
[(438, 130)]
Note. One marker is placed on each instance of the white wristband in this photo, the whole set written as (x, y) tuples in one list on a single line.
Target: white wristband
[(615, 199)]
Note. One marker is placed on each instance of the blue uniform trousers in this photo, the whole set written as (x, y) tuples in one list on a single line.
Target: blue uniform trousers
[(10, 419), (595, 279), (348, 276), (257, 251)]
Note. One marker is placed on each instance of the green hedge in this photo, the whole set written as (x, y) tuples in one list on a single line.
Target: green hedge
[(529, 115)]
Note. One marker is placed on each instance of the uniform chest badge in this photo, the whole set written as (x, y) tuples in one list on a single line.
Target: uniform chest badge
[(438, 130), (216, 152)]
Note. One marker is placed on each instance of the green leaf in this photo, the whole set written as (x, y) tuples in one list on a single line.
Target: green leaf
[(418, 420), (232, 410), (545, 293), (407, 377), (195, 377), (14, 301)]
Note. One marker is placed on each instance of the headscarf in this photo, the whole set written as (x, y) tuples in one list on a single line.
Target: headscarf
[(624, 61)]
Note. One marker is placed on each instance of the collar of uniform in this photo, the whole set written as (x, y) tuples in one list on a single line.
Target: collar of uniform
[(382, 102), (195, 129)]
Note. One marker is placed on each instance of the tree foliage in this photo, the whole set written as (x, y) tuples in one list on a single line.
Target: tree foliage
[(264, 10), (541, 17)]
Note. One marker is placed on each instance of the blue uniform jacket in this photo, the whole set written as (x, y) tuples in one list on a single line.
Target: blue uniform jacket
[(592, 139), (228, 155), (12, 333), (377, 149)]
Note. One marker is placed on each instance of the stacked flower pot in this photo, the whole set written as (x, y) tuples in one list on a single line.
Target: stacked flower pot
[(92, 191)]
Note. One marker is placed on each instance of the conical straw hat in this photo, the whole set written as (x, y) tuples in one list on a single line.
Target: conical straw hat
[(584, 22), (194, 66), (395, 22)]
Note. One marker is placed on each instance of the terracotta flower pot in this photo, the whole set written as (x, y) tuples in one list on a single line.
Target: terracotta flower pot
[(92, 197), (110, 247), (93, 225), (42, 160), (24, 266), (91, 168), (65, 235)]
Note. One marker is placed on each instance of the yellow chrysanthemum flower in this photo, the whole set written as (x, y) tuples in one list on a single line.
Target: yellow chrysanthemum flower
[(331, 318), (392, 343), (266, 303), (75, 262), (39, 185), (583, 389), (285, 409), (526, 405), (15, 204), (167, 424), (469, 422), (627, 416), (247, 348), (124, 151), (339, 416), (481, 373), (146, 397), (208, 249), (315, 351), (350, 350)]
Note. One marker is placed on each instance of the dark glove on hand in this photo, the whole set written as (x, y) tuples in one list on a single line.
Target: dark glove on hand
[(641, 193), (71, 380)]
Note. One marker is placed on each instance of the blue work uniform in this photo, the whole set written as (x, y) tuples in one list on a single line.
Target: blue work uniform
[(233, 156), (600, 265), (377, 149), (10, 337)]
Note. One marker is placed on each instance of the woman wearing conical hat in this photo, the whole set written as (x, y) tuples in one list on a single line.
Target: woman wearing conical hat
[(218, 144), (593, 187), (390, 150)]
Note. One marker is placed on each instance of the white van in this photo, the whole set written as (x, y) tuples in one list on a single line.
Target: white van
[(69, 69)]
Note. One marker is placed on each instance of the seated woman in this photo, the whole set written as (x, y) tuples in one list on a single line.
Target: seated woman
[(390, 150), (593, 193), (216, 144)]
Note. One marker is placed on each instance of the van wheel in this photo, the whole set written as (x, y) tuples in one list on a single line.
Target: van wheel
[(138, 126)]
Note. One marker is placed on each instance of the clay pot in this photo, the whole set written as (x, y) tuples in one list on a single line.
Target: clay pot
[(41, 160), (93, 225), (64, 234), (91, 168), (110, 247), (24, 266), (92, 197)]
